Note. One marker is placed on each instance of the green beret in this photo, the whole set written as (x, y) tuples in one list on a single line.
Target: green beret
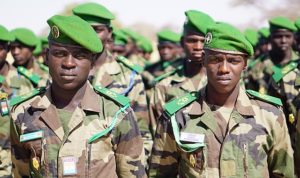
[(119, 37), (252, 36), (93, 13), (297, 23), (44, 41), (38, 49), (168, 36), (264, 32), (25, 36), (226, 38), (131, 34), (282, 23), (197, 20), (145, 44), (74, 30), (5, 35)]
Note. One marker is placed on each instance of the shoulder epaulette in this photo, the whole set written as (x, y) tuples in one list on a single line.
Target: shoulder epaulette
[(120, 99), (43, 67), (34, 78), (175, 105), (266, 98), (2, 79), (279, 74), (19, 99), (129, 64), (165, 75)]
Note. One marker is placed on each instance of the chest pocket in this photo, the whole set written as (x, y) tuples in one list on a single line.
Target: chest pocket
[(193, 164)]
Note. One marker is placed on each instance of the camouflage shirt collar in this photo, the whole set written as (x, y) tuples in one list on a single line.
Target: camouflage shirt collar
[(243, 104), (86, 104)]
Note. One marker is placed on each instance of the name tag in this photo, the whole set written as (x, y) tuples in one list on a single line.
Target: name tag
[(192, 137), (31, 136), (69, 165)]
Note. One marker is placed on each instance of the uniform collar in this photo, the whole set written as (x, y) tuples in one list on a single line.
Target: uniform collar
[(110, 65), (90, 95), (243, 104)]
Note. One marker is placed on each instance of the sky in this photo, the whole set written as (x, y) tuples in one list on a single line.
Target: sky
[(33, 14)]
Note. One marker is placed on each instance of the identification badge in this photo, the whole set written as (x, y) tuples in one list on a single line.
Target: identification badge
[(31, 136), (69, 165), (192, 137)]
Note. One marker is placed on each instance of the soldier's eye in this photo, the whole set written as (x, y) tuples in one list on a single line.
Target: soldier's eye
[(59, 53)]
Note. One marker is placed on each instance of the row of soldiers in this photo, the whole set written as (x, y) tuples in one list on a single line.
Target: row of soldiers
[(94, 106)]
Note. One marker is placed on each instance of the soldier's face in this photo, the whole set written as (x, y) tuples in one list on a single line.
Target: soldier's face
[(119, 50), (3, 52), (69, 66), (21, 53), (167, 51), (193, 46), (104, 33), (281, 39), (223, 70)]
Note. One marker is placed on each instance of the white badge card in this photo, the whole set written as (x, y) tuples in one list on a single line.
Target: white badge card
[(192, 137), (69, 165)]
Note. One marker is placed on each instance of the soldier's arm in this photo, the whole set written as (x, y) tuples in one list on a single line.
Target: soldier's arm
[(129, 149), (164, 158), (280, 158), (20, 156), (297, 145)]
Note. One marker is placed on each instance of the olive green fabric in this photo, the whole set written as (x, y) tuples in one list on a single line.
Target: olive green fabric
[(93, 13), (44, 41), (297, 23), (5, 35), (168, 35), (264, 32), (197, 20), (65, 117), (25, 36), (252, 36), (74, 30), (226, 38), (282, 23)]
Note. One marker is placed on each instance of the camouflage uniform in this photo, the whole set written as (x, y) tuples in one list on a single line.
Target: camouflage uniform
[(297, 145), (171, 87), (255, 144), (5, 163), (118, 77), (111, 155)]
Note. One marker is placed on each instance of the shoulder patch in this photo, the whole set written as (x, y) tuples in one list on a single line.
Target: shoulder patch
[(175, 105), (2, 79), (266, 98), (34, 78), (4, 109), (129, 64), (165, 75), (280, 73), (120, 99), (19, 99)]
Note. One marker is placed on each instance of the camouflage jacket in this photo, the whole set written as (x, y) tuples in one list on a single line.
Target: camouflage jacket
[(171, 87), (255, 142), (112, 155), (297, 145), (5, 154), (15, 84), (123, 80)]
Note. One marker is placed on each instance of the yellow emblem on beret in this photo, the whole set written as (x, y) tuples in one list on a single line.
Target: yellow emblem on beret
[(208, 38), (55, 31)]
